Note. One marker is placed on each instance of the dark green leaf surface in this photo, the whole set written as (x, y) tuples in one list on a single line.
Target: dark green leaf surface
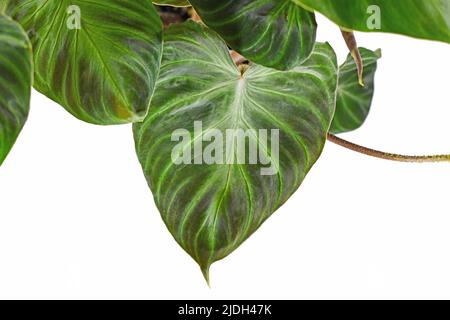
[(210, 209), (426, 19), (102, 70), (174, 3), (278, 34), (353, 100), (15, 82)]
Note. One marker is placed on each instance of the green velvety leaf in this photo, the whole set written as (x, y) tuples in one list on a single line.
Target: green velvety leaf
[(173, 3), (353, 100), (15, 82), (99, 59), (426, 19), (210, 209), (278, 34)]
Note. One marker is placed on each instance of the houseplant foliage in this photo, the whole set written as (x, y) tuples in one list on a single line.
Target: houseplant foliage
[(111, 62), (98, 59), (15, 82), (265, 30), (428, 19), (278, 34), (353, 100), (211, 208)]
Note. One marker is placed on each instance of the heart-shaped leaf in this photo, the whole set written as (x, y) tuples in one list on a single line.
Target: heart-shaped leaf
[(278, 34), (353, 100), (173, 3), (223, 147), (99, 59), (15, 82), (426, 19)]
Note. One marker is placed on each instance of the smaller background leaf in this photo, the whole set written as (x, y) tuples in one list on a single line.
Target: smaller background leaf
[(15, 82), (424, 19), (353, 100), (276, 34), (98, 59)]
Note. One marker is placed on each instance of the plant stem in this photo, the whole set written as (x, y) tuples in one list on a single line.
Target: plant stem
[(352, 45), (195, 16), (237, 58), (385, 155)]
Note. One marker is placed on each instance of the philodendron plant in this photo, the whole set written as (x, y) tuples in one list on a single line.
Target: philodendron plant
[(231, 109)]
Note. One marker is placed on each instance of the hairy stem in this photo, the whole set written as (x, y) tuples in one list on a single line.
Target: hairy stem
[(385, 155)]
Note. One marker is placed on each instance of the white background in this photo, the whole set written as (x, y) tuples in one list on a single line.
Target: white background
[(77, 219)]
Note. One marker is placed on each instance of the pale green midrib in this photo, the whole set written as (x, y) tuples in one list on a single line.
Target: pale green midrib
[(236, 111), (108, 72)]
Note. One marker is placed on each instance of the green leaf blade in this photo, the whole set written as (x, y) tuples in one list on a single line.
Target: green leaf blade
[(353, 101), (15, 82), (210, 209), (277, 34), (428, 19), (98, 59)]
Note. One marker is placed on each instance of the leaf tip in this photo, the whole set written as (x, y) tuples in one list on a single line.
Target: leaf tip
[(205, 272), (378, 53)]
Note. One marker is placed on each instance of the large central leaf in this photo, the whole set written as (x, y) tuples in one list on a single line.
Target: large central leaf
[(15, 82), (212, 201), (273, 33), (99, 59), (427, 19)]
